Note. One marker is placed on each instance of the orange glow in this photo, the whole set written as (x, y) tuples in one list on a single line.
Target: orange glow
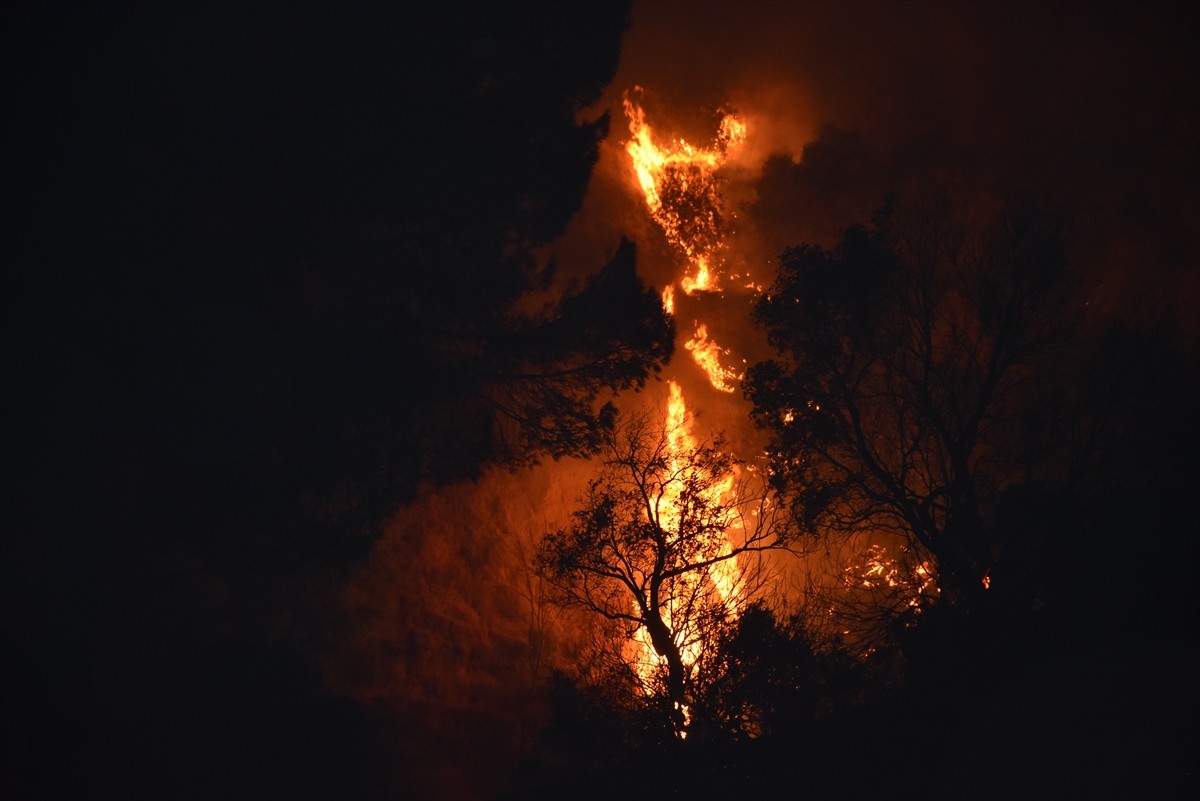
[(680, 185), (676, 418), (707, 354), (879, 571), (679, 440), (704, 280), (725, 576), (678, 181)]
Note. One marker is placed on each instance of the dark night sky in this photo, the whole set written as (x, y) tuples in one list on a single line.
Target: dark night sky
[(185, 183)]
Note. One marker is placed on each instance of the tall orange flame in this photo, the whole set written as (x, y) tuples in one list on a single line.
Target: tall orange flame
[(679, 184), (678, 181), (707, 354), (725, 576)]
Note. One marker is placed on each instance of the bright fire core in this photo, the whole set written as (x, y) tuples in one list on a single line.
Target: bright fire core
[(725, 576), (680, 185)]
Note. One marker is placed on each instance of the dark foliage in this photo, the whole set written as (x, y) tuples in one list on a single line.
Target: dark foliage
[(904, 357), (260, 271), (767, 679)]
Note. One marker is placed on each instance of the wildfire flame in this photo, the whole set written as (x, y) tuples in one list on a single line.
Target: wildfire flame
[(704, 280), (681, 186), (668, 299), (912, 586), (880, 570), (725, 576), (681, 439), (707, 354), (679, 183)]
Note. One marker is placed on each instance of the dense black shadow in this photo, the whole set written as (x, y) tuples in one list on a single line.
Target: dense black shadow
[(257, 265)]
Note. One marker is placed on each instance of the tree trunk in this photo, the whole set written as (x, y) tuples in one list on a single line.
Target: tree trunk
[(664, 644)]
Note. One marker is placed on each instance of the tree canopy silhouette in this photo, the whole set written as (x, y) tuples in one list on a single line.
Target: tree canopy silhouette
[(263, 266), (903, 357)]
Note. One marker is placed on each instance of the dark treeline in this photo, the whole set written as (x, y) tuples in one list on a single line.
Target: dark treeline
[(260, 268)]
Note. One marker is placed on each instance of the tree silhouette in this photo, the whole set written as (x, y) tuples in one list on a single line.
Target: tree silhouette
[(664, 544), (262, 285), (765, 677), (544, 374), (904, 354)]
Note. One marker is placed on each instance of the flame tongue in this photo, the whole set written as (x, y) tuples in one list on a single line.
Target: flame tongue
[(707, 354), (704, 280), (679, 183), (724, 576)]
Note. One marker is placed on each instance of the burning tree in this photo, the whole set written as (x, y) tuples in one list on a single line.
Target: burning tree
[(667, 545), (681, 186), (905, 357)]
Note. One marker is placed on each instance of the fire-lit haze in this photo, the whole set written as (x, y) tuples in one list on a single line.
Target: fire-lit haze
[(313, 313)]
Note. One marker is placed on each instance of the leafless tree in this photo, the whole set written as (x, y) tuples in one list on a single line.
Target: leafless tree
[(667, 545)]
